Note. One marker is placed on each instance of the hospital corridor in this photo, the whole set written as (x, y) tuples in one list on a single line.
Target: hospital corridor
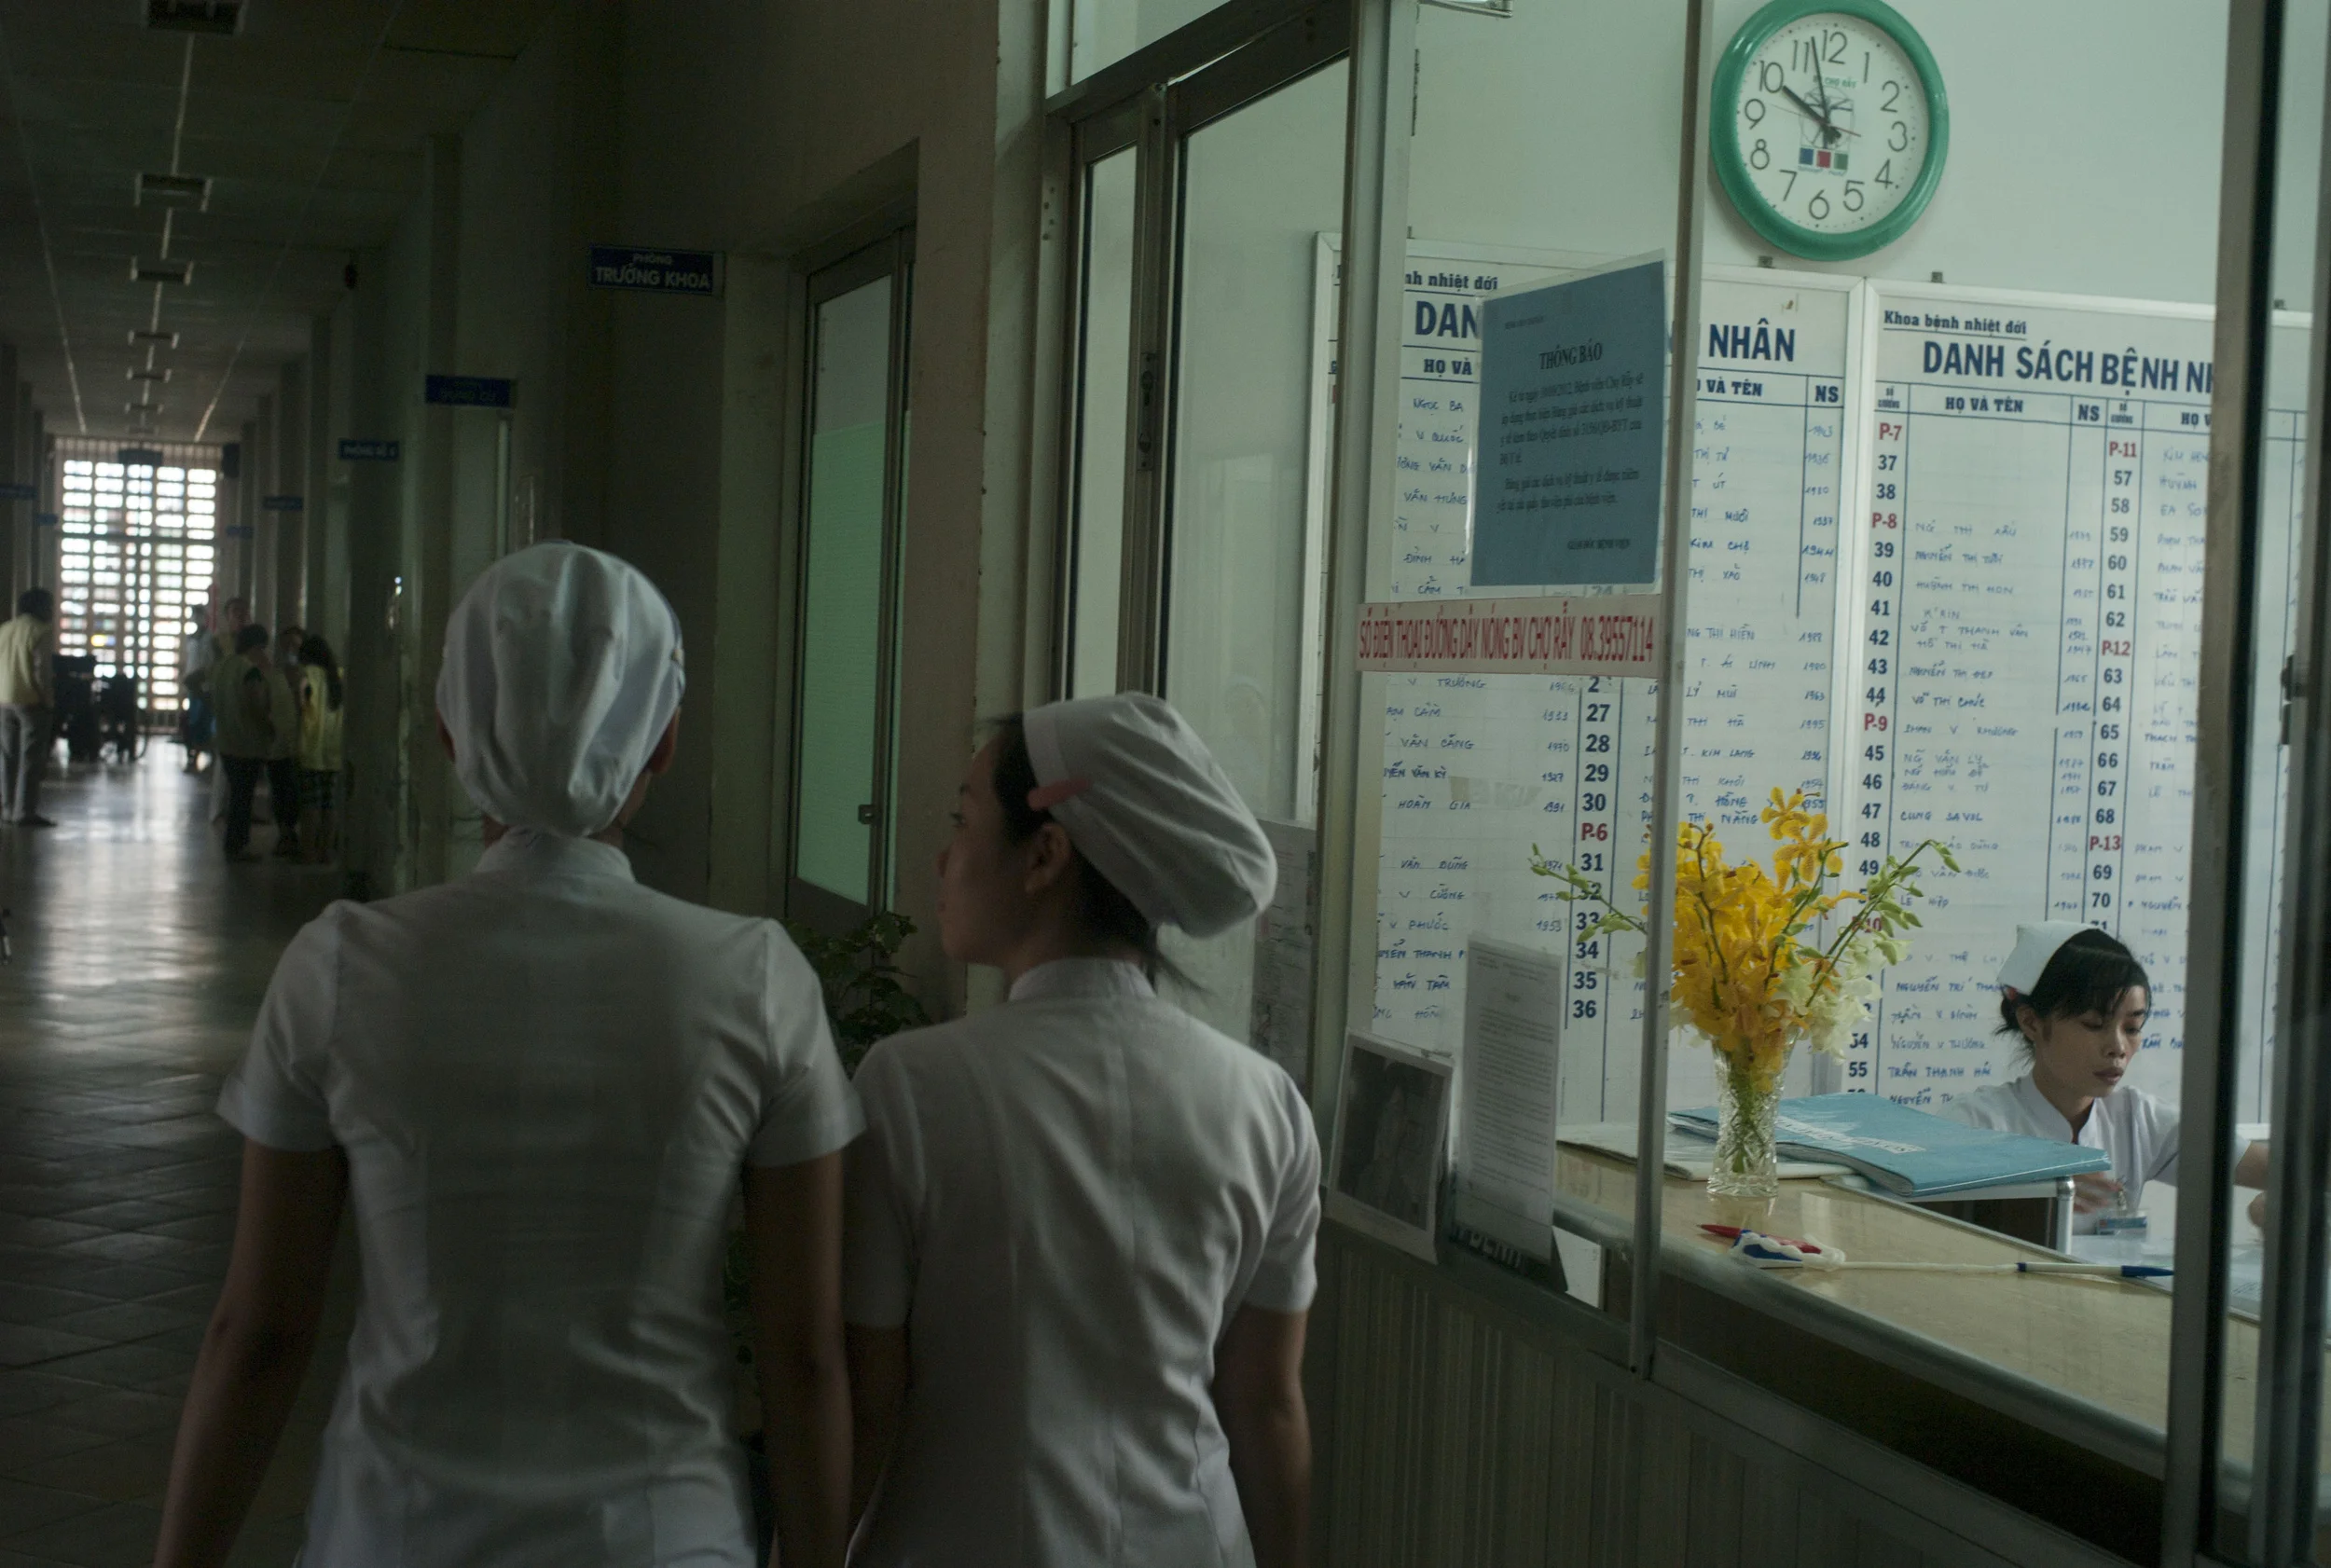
[(135, 970), (1165, 784)]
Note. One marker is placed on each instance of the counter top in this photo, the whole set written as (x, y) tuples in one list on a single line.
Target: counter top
[(2104, 1343)]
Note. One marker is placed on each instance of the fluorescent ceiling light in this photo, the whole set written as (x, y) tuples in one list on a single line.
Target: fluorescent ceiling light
[(141, 271), (195, 16), (161, 339), (175, 190)]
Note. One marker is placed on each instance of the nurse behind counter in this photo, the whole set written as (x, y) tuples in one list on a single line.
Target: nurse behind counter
[(2079, 1000)]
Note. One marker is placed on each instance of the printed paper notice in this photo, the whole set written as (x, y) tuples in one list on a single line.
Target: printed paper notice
[(1513, 998), (1572, 391), (1281, 1022)]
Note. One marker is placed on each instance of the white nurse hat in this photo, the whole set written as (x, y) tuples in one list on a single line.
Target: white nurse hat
[(2033, 946), (1143, 798), (562, 667)]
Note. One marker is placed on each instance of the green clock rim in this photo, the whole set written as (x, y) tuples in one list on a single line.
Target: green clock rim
[(1731, 169)]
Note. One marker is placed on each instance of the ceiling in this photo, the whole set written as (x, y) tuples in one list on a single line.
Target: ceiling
[(308, 121)]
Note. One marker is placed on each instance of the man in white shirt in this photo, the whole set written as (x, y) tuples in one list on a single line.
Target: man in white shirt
[(28, 651), (539, 1085)]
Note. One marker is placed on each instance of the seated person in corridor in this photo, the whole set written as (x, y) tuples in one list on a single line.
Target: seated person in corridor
[(538, 1086), (1080, 1245)]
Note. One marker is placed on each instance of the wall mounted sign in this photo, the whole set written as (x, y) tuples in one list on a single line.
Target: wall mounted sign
[(631, 267), (282, 503), (19, 492), (1572, 391), (1613, 634), (354, 450), (147, 457), (470, 392)]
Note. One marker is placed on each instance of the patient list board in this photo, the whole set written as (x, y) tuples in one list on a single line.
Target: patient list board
[(2027, 637), (1479, 769)]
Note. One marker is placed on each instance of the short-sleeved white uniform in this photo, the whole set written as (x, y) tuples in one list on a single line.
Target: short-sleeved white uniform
[(1065, 1199), (2137, 1133), (545, 1078)]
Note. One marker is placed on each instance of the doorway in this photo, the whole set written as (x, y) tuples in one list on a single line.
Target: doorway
[(853, 503)]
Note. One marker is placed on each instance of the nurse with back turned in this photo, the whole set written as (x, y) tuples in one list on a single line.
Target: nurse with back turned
[(1079, 1252), (539, 1088), (2078, 1000)]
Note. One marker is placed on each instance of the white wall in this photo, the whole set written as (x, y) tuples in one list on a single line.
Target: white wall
[(2083, 159)]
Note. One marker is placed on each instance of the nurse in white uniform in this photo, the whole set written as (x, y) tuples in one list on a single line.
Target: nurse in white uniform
[(1080, 1249), (537, 1086), (2079, 999)]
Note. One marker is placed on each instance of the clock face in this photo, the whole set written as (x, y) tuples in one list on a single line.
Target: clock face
[(1835, 131)]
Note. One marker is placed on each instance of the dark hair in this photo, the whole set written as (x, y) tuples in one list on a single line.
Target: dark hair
[(253, 636), (314, 651), (35, 602), (2090, 974), (1102, 910)]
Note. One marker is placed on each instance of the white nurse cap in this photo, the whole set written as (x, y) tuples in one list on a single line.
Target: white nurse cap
[(562, 667), (2033, 946), (1144, 800)]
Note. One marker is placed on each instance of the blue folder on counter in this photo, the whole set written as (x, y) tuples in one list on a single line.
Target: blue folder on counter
[(1911, 1153)]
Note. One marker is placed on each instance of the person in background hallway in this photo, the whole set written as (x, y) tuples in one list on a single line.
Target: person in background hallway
[(283, 810), (1079, 1254), (538, 1086), (196, 658), (233, 616), (321, 695), (28, 673), (258, 731)]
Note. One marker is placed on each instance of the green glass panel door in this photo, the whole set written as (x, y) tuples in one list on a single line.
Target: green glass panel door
[(841, 664)]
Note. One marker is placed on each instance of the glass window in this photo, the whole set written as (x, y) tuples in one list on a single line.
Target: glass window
[(1478, 769), (1103, 32), (1103, 386), (1262, 196), (1950, 444), (1264, 199)]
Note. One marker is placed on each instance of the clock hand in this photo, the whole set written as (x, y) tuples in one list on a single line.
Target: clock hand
[(1815, 114), (1828, 110)]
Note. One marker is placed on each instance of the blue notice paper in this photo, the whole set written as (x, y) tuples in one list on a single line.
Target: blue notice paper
[(1911, 1153), (1573, 389)]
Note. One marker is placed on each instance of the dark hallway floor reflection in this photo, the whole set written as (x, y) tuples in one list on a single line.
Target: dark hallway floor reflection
[(141, 957)]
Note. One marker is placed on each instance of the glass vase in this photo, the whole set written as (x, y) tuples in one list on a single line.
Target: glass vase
[(1746, 1164)]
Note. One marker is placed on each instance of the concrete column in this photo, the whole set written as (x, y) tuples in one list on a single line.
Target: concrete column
[(368, 504), (744, 871), (322, 615), (16, 517), (45, 475), (248, 486), (261, 462), (435, 790), (291, 479)]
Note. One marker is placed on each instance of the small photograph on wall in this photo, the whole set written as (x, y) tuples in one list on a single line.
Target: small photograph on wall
[(1391, 1144)]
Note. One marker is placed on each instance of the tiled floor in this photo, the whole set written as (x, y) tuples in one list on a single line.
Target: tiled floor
[(141, 957)]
